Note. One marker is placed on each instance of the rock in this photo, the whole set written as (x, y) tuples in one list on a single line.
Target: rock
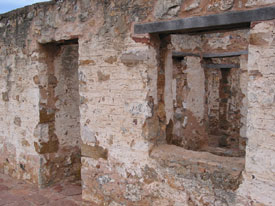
[(94, 152), (133, 192), (102, 77), (17, 121), (132, 59), (167, 8), (103, 179), (5, 96), (83, 17), (88, 135), (226, 4), (111, 59), (193, 5), (46, 147), (178, 114), (251, 3)]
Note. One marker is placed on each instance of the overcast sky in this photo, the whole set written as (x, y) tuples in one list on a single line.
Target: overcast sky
[(8, 5)]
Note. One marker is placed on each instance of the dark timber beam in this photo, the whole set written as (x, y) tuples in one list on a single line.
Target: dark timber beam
[(225, 54), (177, 54), (63, 42), (220, 66), (234, 19)]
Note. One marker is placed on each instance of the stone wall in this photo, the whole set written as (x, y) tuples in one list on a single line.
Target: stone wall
[(258, 185), (19, 101), (168, 9), (123, 116)]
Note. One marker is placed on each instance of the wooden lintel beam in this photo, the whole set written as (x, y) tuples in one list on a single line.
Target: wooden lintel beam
[(233, 19), (225, 54), (220, 66), (177, 54)]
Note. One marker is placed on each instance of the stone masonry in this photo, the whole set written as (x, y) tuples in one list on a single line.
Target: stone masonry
[(83, 97)]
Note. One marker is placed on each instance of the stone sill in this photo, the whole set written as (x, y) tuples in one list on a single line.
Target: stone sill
[(224, 172)]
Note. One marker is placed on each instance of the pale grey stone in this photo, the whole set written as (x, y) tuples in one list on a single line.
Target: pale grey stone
[(167, 8)]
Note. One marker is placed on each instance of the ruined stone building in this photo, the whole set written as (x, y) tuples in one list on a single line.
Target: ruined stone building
[(148, 102)]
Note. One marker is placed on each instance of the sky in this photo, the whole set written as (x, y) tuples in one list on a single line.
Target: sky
[(8, 5)]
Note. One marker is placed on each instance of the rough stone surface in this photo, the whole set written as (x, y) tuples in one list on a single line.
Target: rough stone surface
[(258, 184), (251, 3), (228, 20), (226, 4), (193, 5), (167, 8), (60, 56)]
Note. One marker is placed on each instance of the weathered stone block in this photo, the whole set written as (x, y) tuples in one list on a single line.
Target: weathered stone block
[(46, 147), (167, 8), (46, 115), (224, 172), (132, 59), (17, 121), (5, 96), (94, 152), (102, 77), (226, 4)]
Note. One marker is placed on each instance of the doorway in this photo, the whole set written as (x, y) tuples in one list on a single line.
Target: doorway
[(59, 124)]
